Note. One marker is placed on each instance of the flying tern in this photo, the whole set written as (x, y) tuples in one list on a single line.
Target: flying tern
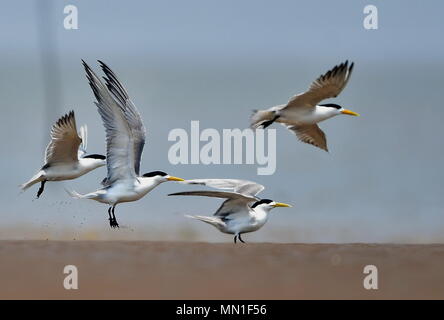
[(125, 138), (65, 156), (302, 113), (241, 212)]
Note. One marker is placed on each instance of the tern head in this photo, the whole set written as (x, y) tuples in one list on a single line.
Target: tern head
[(336, 109), (267, 204), (160, 176)]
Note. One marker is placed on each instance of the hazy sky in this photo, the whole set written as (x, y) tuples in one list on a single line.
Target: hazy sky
[(215, 61)]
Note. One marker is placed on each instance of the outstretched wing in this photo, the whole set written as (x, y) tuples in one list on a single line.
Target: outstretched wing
[(131, 114), (245, 187), (216, 194), (65, 141), (328, 85), (310, 134), (119, 138), (84, 136), (234, 204)]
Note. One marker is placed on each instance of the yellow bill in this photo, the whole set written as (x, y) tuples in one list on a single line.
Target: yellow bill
[(350, 113), (171, 178), (280, 204)]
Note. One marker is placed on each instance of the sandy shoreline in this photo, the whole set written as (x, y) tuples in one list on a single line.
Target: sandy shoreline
[(186, 270)]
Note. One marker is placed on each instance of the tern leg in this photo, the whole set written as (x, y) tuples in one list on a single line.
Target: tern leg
[(110, 217), (42, 187), (239, 236), (235, 238), (114, 220)]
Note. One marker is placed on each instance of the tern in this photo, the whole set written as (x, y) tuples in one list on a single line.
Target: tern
[(241, 212), (65, 156), (302, 113), (125, 139)]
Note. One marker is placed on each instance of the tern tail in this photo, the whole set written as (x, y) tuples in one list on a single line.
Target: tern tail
[(262, 118), (35, 179), (214, 221), (76, 195)]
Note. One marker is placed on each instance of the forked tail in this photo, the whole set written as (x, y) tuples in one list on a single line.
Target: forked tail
[(214, 221), (74, 194), (262, 118), (35, 179)]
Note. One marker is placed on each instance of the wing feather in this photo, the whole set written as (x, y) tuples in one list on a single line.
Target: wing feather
[(234, 204), (119, 149), (65, 141), (328, 85), (310, 134), (84, 136), (216, 194), (245, 187), (130, 112)]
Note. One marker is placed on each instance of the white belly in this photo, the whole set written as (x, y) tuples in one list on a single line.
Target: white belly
[(244, 225), (305, 116), (125, 192), (58, 172)]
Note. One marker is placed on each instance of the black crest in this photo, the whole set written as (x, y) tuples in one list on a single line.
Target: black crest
[(95, 156), (154, 173), (331, 105), (261, 202)]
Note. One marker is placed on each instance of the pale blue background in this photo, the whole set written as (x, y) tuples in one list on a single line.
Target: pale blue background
[(215, 61)]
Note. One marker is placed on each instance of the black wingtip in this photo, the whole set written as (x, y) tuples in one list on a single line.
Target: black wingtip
[(85, 65), (63, 120), (103, 65), (177, 194), (87, 68), (351, 66), (108, 72)]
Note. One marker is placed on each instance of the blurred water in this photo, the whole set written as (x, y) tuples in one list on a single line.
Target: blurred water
[(381, 182)]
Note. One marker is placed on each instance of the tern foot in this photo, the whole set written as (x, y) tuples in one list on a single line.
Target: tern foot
[(113, 223)]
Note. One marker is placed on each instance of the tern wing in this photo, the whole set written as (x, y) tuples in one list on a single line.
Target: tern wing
[(131, 114), (232, 209), (234, 204), (328, 85), (84, 136), (119, 137), (216, 194), (65, 141), (310, 134), (245, 187)]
